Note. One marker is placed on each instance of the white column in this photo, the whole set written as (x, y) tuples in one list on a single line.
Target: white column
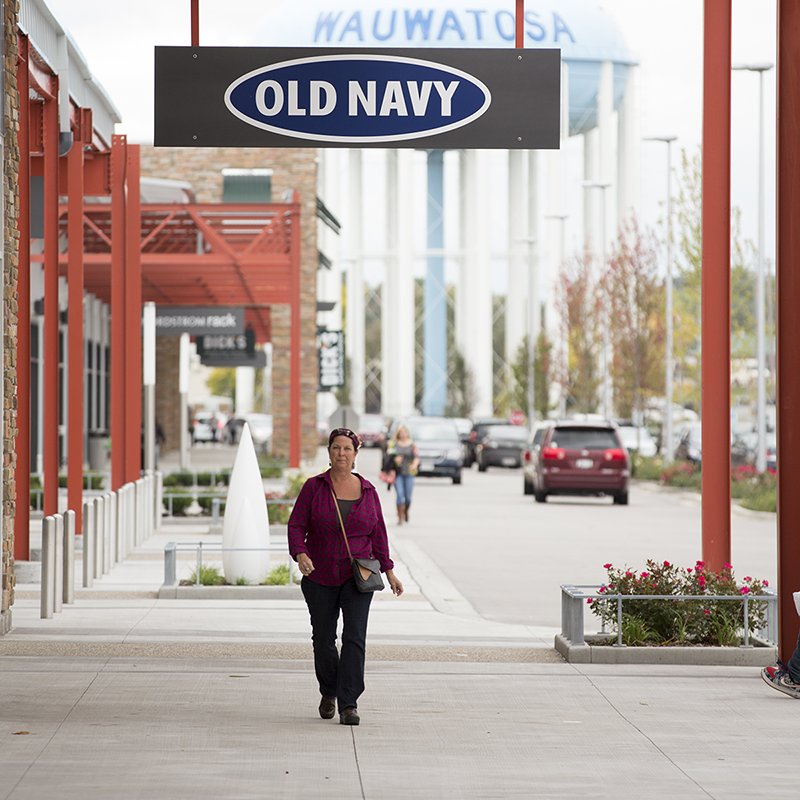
[(628, 147), (516, 326), (591, 200), (245, 389), (475, 287), (607, 145), (397, 313), (354, 339)]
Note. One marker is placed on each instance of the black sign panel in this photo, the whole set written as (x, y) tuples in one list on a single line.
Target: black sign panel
[(226, 350), (198, 320), (371, 97), (331, 359)]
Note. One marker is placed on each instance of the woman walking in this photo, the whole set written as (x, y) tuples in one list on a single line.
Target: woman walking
[(316, 542), (405, 459)]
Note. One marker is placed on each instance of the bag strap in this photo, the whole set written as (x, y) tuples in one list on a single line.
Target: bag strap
[(341, 522)]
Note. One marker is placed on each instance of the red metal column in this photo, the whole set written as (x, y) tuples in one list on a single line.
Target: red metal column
[(788, 355), (295, 338), (195, 19), (716, 336), (133, 318), (118, 399), (75, 375), (50, 387), (520, 24), (22, 474)]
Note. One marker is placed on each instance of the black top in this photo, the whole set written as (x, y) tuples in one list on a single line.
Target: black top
[(344, 507)]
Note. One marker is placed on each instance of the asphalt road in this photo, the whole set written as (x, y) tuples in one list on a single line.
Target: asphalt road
[(509, 555)]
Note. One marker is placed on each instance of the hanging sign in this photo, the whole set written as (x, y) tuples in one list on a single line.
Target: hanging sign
[(331, 359), (330, 97), (198, 320)]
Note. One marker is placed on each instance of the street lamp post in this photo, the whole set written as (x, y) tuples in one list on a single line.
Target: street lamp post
[(606, 342), (562, 402), (531, 314), (761, 391), (666, 445)]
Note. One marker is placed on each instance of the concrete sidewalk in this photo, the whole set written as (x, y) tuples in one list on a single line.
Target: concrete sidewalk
[(123, 695)]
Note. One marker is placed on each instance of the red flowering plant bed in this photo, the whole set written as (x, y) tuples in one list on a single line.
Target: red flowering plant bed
[(707, 622)]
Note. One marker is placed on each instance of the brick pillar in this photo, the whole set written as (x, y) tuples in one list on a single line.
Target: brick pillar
[(10, 202)]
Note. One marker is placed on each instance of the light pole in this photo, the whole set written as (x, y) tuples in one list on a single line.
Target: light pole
[(606, 342), (761, 391), (562, 247), (531, 313), (666, 443)]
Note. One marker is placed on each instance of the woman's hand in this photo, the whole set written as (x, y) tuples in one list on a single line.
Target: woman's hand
[(305, 564), (394, 583)]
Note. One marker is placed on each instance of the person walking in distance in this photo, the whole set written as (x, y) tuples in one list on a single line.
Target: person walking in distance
[(316, 543), (404, 456)]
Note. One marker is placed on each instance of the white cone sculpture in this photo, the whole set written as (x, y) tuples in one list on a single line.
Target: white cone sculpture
[(246, 522)]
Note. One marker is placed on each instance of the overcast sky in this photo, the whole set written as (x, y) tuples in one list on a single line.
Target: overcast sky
[(117, 40)]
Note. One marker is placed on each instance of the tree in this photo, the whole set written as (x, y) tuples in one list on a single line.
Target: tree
[(688, 284), (460, 386), (542, 371), (221, 382), (578, 302), (635, 302)]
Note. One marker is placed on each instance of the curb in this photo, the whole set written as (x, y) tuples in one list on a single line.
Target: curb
[(699, 656), (229, 593)]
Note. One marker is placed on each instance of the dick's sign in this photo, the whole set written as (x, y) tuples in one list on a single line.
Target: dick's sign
[(281, 97)]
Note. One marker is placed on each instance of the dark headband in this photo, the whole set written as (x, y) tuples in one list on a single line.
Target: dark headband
[(345, 432)]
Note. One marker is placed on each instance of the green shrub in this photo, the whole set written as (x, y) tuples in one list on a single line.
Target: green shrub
[(278, 576), (209, 576), (179, 504), (36, 482), (183, 478), (647, 469), (682, 474), (204, 479), (271, 467), (294, 484), (206, 504), (670, 622)]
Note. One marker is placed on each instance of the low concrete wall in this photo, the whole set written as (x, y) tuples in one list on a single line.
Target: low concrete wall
[(593, 652), (229, 593)]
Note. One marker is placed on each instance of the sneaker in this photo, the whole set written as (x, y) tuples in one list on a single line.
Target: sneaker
[(778, 678)]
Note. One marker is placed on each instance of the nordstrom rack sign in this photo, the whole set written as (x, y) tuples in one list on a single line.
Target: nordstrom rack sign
[(220, 96)]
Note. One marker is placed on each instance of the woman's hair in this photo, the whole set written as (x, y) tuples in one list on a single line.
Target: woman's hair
[(345, 432), (404, 430)]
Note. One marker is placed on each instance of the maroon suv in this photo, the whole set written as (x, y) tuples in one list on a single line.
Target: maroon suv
[(585, 458)]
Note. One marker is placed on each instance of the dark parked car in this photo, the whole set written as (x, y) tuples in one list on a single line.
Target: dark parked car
[(530, 454), (502, 447), (438, 446), (582, 458), (479, 429)]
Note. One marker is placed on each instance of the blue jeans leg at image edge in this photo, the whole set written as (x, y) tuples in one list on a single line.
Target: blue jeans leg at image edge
[(404, 486), (794, 663)]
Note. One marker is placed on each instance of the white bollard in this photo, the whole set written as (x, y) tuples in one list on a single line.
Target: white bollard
[(58, 572), (159, 500), (114, 554), (68, 595), (108, 533), (89, 539), (48, 567), (100, 538)]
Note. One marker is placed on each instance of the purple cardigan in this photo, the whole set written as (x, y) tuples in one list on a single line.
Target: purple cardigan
[(314, 530)]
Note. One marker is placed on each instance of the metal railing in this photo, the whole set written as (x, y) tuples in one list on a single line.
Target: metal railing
[(171, 550), (574, 597), (217, 501)]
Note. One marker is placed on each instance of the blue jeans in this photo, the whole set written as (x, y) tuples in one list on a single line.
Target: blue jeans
[(794, 663), (404, 486)]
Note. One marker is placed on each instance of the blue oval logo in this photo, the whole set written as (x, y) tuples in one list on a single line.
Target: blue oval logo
[(357, 98)]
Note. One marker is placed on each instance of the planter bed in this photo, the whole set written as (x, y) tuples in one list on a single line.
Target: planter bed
[(177, 592), (600, 650)]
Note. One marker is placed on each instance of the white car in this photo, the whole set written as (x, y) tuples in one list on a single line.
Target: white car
[(638, 440)]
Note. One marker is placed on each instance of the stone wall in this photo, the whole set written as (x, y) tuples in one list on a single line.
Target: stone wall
[(294, 169), (10, 262)]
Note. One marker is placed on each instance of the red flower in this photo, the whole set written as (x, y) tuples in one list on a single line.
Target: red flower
[(645, 575), (628, 574), (607, 566), (747, 579), (667, 564), (706, 611), (765, 582), (744, 590), (700, 564)]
